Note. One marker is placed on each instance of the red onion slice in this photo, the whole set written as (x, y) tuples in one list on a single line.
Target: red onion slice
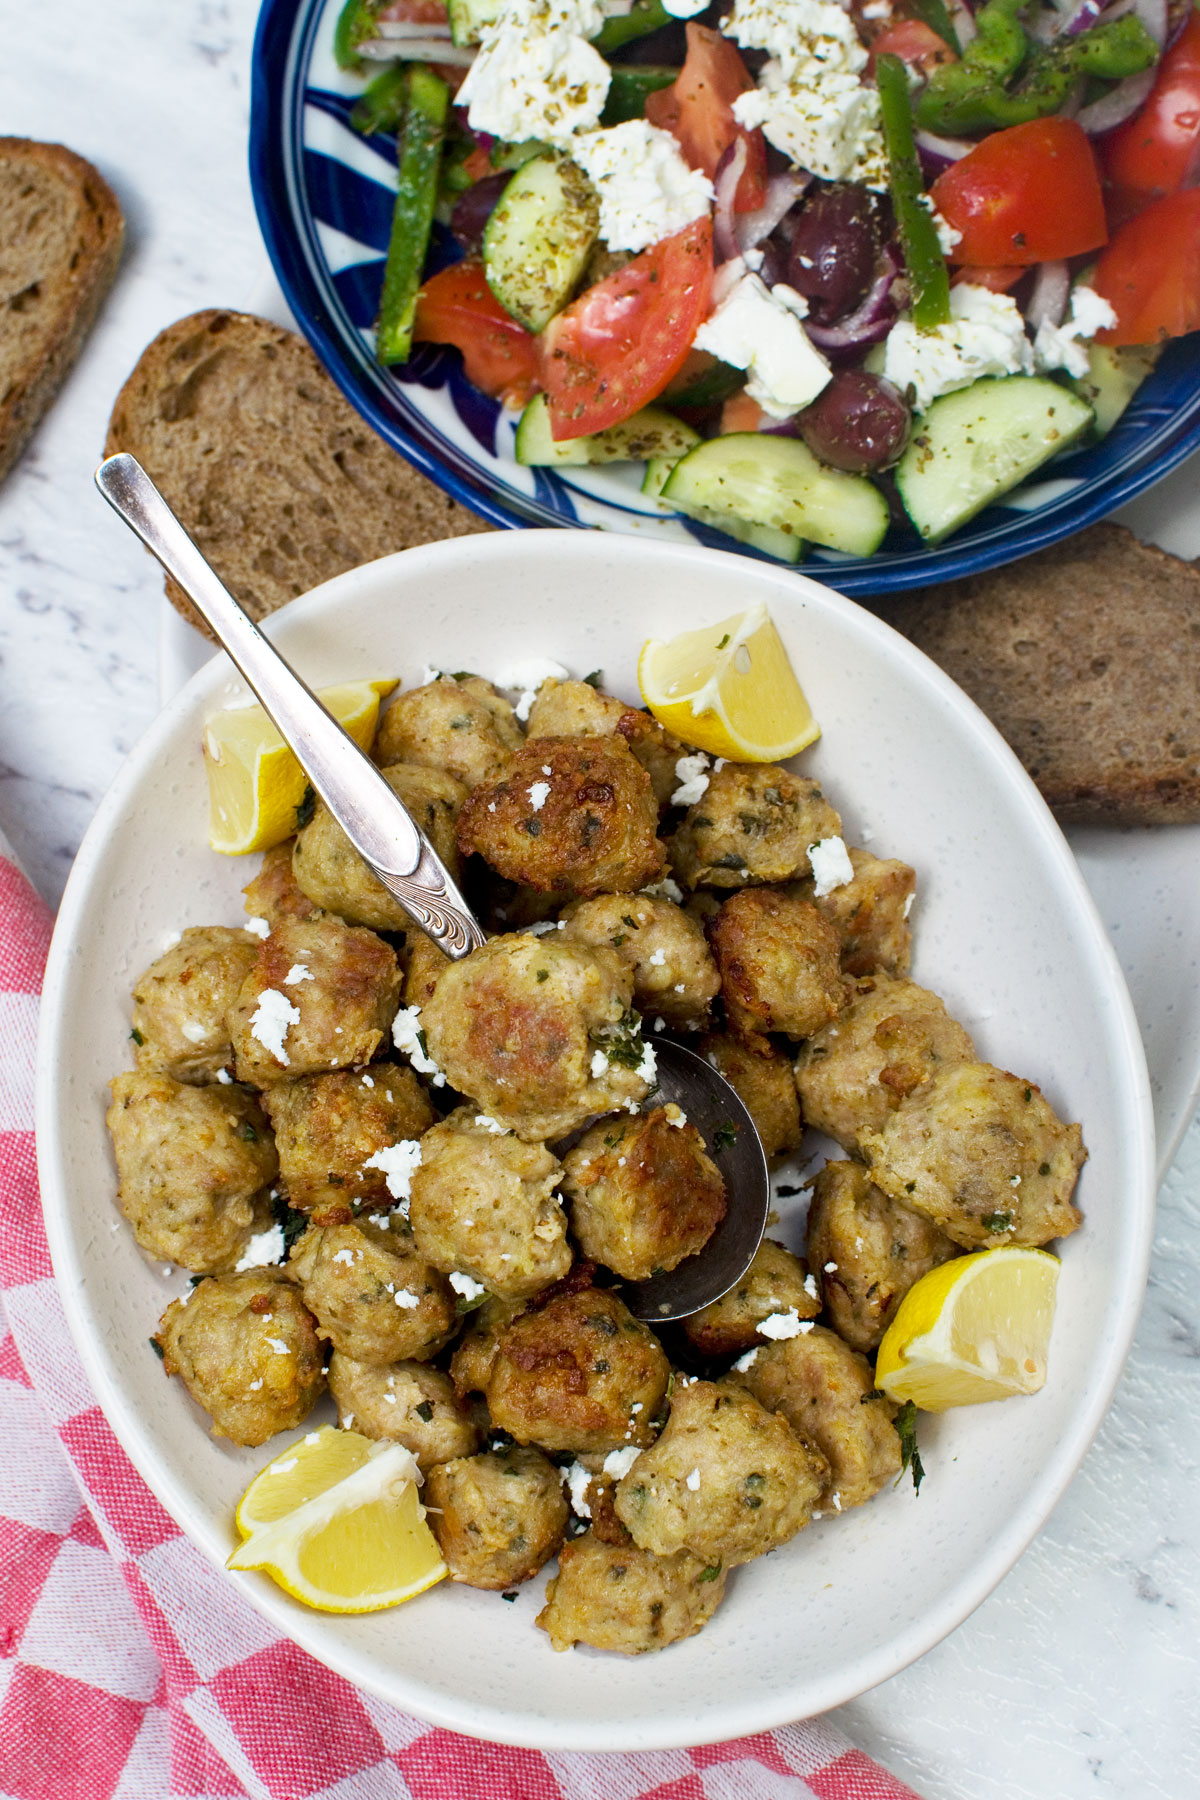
[(728, 174), (782, 193), (1153, 14), (1048, 300), (871, 319), (1118, 105), (937, 153), (412, 49)]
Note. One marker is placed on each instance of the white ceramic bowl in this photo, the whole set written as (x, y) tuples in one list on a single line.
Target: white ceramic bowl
[(1005, 931)]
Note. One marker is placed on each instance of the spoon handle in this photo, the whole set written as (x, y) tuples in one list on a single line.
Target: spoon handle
[(374, 818)]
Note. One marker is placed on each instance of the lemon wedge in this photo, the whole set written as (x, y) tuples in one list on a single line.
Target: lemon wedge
[(729, 689), (336, 1521), (255, 783), (977, 1328)]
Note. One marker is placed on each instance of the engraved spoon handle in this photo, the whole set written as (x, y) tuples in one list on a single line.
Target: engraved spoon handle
[(374, 818)]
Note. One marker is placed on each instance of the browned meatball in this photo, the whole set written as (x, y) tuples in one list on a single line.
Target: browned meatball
[(775, 1283), (272, 894), (320, 996), (674, 976), (571, 814), (425, 964), (333, 875), (727, 1480), (579, 1373), (984, 1155), (465, 728), (870, 914), (867, 1251), (537, 1032), (484, 1204), (891, 1037), (475, 1351), (179, 1023), (826, 1392), (778, 962), (406, 1402), (567, 709), (761, 1077), (374, 1296), (333, 1133), (617, 1597), (497, 1517), (192, 1163), (644, 1192), (247, 1352), (754, 823)]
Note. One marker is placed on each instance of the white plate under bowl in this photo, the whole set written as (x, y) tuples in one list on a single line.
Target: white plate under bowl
[(1006, 932)]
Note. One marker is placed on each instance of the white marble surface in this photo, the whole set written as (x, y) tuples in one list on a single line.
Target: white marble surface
[(1078, 1679)]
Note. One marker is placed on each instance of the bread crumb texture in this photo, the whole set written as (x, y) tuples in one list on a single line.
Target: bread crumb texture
[(273, 473), (1086, 657), (61, 233)]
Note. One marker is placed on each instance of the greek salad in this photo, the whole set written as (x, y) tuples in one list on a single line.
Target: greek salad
[(823, 269)]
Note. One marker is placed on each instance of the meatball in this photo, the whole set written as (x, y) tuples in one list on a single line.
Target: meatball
[(984, 1155), (577, 815), (617, 1597), (461, 726), (273, 894), (497, 1517), (321, 995), (180, 1003), (644, 1193), (374, 1296), (727, 1480), (247, 1352), (674, 976), (475, 1352), (407, 1402), (778, 962), (567, 709), (891, 1037), (425, 964), (333, 1133), (868, 1249), (332, 873), (826, 1392), (761, 1077), (539, 1033), (579, 1373), (754, 823), (192, 1163), (870, 914), (483, 1204), (775, 1282)]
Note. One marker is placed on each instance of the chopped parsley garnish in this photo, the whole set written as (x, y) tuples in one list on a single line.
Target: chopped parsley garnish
[(468, 1303), (461, 675), (725, 1136), (905, 1423), (423, 1409), (594, 679), (293, 1224), (137, 1037), (306, 808), (157, 1348), (509, 1594), (247, 1131), (997, 1221), (711, 1573), (723, 642), (543, 974), (1043, 1168)]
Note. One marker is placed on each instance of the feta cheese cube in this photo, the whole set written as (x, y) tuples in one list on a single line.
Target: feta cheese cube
[(754, 330), (647, 191), (985, 336)]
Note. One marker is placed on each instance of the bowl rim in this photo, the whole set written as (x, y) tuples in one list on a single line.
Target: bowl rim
[(274, 50), (416, 567)]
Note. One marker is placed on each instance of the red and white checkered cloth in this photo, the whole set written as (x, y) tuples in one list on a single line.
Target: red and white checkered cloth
[(131, 1670)]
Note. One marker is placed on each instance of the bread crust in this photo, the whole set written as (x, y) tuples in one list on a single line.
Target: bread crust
[(77, 286), (270, 469), (1086, 657)]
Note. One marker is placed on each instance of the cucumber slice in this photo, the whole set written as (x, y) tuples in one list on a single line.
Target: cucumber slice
[(781, 544), (468, 18), (778, 483), (658, 472), (538, 238), (975, 445), (1115, 373), (653, 432)]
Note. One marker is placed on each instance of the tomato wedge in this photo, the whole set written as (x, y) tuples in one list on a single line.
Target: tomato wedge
[(458, 307), (997, 280), (615, 348), (1150, 272), (1158, 151), (697, 109), (1026, 195), (915, 43)]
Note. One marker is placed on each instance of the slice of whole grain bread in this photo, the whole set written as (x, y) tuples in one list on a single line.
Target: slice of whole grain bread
[(1086, 657), (276, 477), (61, 232)]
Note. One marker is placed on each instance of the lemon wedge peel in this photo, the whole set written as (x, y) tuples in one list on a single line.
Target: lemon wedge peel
[(974, 1329), (357, 1545), (729, 689), (255, 784)]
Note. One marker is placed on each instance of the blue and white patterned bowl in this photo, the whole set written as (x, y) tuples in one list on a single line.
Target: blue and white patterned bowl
[(324, 197)]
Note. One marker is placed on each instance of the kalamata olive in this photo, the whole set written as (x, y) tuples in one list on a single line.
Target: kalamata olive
[(859, 422), (474, 208), (835, 239)]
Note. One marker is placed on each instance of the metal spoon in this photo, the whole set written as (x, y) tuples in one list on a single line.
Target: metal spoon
[(396, 850)]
